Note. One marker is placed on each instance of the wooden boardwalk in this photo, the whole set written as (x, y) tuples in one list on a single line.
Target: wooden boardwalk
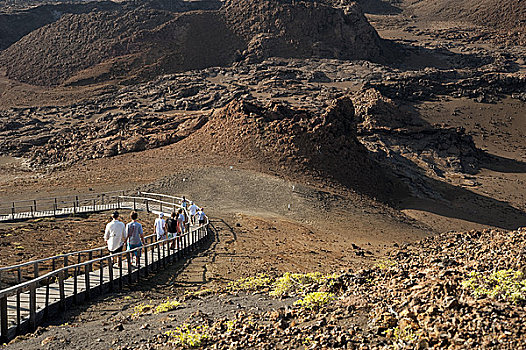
[(25, 305)]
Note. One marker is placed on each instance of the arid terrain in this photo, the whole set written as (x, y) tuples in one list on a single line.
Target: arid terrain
[(380, 140)]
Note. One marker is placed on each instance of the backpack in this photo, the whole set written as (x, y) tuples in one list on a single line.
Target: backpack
[(171, 225)]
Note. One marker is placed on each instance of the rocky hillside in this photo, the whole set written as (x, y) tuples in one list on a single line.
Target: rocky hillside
[(279, 138), (506, 15), (142, 43), (303, 29), (458, 290), (15, 24)]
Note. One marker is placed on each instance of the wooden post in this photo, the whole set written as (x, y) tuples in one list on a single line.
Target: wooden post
[(134, 204), (13, 211), (61, 276), (35, 204), (3, 320), (46, 304), (90, 256), (35, 269), (110, 267), (129, 257), (120, 271), (86, 278), (101, 277), (158, 265), (145, 261), (75, 280), (139, 263), (119, 202), (102, 199), (18, 317), (32, 212), (32, 306), (147, 205), (94, 204), (164, 254), (66, 263), (55, 207)]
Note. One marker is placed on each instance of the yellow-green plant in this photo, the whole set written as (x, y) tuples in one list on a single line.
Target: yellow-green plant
[(229, 325), (507, 285), (292, 282), (188, 337), (141, 309), (251, 283), (385, 264), (168, 305), (198, 293), (406, 334), (315, 300)]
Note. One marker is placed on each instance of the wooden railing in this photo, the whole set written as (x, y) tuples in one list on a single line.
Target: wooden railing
[(56, 206), (16, 274), (77, 271)]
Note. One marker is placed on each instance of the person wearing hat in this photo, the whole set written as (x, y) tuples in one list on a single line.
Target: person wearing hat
[(159, 227), (115, 234)]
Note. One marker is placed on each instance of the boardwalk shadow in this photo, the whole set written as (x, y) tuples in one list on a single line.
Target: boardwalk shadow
[(502, 165)]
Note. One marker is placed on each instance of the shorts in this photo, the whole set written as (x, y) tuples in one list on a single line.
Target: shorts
[(137, 253), (171, 235), (118, 250), (202, 222)]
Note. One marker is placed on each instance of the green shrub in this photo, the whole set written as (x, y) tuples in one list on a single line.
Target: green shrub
[(251, 283), (406, 334), (509, 285), (188, 337), (315, 300), (385, 264), (168, 305), (292, 282), (141, 309)]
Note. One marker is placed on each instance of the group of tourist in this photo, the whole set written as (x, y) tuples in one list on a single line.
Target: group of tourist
[(117, 235)]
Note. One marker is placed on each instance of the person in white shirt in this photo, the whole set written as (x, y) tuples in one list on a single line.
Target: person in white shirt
[(115, 234), (201, 216), (159, 227), (192, 211)]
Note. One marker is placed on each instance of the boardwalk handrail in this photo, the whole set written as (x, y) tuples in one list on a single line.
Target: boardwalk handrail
[(161, 195), (91, 195), (88, 251), (20, 287), (57, 257), (155, 253)]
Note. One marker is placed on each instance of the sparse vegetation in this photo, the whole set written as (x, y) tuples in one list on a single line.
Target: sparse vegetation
[(198, 293), (315, 300), (294, 282), (251, 283), (187, 336), (168, 305), (509, 285), (141, 309), (407, 334), (385, 264)]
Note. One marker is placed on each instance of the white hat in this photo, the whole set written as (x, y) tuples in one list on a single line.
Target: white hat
[(161, 215)]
